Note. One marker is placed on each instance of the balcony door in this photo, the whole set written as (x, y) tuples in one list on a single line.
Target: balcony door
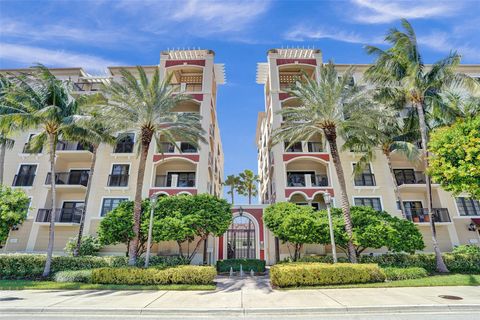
[(78, 177), (70, 211), (413, 208)]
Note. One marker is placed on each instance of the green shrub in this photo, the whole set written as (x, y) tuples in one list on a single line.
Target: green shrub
[(313, 274), (153, 276), (467, 249), (73, 276), (89, 246), (322, 259), (405, 273), (247, 264)]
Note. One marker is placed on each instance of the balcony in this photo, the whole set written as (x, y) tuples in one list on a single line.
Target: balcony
[(306, 180), (365, 180), (186, 87), (74, 151), (66, 215), (118, 180), (73, 180), (87, 86), (23, 180), (185, 147), (175, 180), (408, 176), (419, 215)]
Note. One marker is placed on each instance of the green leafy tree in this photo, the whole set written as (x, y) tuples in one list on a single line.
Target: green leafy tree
[(455, 159), (184, 218), (248, 184), (40, 101), (372, 230), (5, 140), (327, 107), (13, 210), (400, 71), (145, 105), (293, 224), (233, 182)]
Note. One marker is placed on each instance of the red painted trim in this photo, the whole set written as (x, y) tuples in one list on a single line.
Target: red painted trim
[(290, 156), (197, 96), (308, 191), (193, 157), (220, 248), (293, 61), (171, 63), (170, 192), (283, 95)]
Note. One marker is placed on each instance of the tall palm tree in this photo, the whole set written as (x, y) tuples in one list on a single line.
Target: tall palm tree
[(101, 131), (381, 128), (146, 106), (41, 101), (233, 182), (248, 184), (5, 141), (400, 69), (326, 107)]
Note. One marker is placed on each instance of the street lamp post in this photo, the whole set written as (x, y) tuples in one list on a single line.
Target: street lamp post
[(153, 200), (328, 201)]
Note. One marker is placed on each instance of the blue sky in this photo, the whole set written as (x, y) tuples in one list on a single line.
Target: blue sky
[(95, 34)]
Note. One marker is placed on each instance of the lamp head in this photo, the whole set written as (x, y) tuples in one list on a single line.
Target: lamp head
[(327, 198)]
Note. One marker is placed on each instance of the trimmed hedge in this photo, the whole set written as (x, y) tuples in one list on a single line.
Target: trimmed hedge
[(317, 274), (73, 276), (153, 276), (247, 265), (30, 266), (405, 273)]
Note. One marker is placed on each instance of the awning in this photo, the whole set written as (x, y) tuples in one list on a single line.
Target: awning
[(476, 221)]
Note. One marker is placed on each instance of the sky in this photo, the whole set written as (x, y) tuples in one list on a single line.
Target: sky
[(96, 34)]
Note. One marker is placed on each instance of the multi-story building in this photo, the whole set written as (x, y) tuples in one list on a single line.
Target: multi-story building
[(169, 171), (304, 171)]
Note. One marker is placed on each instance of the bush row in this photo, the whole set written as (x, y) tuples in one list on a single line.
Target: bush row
[(153, 276), (29, 266), (247, 264), (393, 274), (312, 274)]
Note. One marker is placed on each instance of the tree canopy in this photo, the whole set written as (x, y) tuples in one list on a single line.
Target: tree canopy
[(13, 210), (455, 160)]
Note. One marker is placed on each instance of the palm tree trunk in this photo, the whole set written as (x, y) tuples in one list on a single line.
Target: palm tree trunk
[(331, 136), (3, 147), (51, 239), (395, 185), (137, 207), (250, 195), (205, 247), (232, 190), (441, 267), (85, 203)]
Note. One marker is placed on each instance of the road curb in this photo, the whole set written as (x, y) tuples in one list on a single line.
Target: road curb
[(248, 311)]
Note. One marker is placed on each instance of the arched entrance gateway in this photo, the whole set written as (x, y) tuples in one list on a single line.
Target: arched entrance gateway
[(241, 239)]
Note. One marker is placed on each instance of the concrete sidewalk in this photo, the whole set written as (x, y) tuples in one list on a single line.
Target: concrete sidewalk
[(241, 297)]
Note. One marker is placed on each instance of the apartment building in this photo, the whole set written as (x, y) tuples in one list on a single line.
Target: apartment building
[(169, 171), (303, 172)]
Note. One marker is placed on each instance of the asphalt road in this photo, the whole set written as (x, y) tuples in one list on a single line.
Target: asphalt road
[(369, 316)]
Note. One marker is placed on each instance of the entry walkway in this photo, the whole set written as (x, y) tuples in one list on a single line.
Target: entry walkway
[(241, 297)]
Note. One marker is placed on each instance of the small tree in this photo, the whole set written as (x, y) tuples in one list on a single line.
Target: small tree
[(233, 182), (293, 224), (13, 210), (184, 218), (455, 160), (89, 246), (372, 230), (117, 226)]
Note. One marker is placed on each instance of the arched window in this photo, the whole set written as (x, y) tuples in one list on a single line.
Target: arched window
[(241, 239)]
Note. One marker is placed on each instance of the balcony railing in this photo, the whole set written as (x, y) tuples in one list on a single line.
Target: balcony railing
[(421, 215), (365, 180), (163, 181), (72, 146), (118, 180), (23, 180), (186, 87), (409, 177), (300, 180), (166, 147), (320, 181), (311, 147), (86, 86), (315, 146), (66, 215), (69, 178)]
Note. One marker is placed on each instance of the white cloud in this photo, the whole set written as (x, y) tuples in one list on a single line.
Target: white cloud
[(443, 42), (53, 58), (370, 11), (301, 33)]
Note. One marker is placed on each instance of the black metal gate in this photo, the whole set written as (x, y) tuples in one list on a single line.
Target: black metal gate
[(241, 239)]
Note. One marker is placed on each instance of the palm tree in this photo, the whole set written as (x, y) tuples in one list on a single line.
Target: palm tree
[(381, 128), (5, 141), (400, 70), (146, 106), (326, 107), (41, 101), (248, 184), (101, 131), (233, 182)]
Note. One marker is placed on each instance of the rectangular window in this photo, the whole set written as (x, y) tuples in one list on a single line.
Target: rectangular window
[(125, 143), (468, 206), (184, 179), (119, 176), (366, 178), (297, 179), (369, 202), (71, 212), (186, 147), (296, 147), (109, 204), (25, 176)]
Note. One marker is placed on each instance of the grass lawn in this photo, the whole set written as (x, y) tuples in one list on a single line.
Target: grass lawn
[(432, 281), (49, 285)]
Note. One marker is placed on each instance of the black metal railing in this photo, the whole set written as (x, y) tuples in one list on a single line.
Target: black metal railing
[(298, 180), (23, 180), (72, 146), (69, 178), (319, 180), (186, 147), (421, 215), (365, 179), (409, 177), (163, 181), (66, 215), (118, 180)]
